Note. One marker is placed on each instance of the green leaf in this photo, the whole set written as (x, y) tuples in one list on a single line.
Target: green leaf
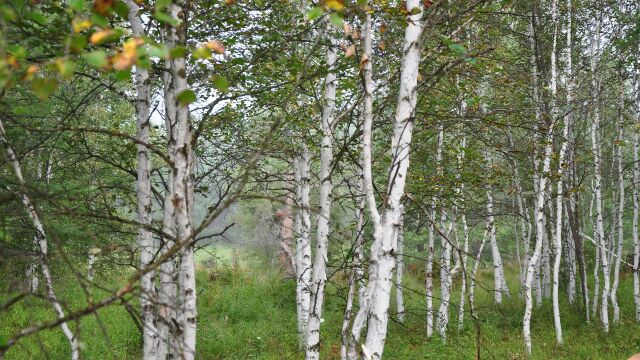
[(161, 4), (99, 20), (186, 97), (336, 20), (166, 18), (38, 17), (65, 68), (315, 13), (121, 9), (44, 87), (178, 52), (96, 58), (123, 75), (18, 51), (159, 51), (202, 53), (76, 5), (4, 341), (78, 43), (220, 83), (458, 49)]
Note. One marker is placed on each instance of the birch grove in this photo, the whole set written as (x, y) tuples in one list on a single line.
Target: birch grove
[(354, 179)]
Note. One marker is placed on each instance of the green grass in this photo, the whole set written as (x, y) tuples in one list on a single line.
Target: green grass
[(250, 314)]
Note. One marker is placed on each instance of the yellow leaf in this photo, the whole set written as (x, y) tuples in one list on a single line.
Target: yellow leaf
[(363, 60), (216, 46), (347, 29), (31, 70), (128, 56), (350, 51), (80, 25), (130, 47), (335, 5), (100, 36)]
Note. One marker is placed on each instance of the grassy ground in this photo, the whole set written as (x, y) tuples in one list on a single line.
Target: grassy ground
[(250, 314)]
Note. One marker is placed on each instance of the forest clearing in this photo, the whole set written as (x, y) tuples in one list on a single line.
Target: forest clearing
[(326, 179)]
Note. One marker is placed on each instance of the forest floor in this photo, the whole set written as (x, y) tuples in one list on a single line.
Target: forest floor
[(249, 313)]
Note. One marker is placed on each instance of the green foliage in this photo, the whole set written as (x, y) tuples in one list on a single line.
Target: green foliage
[(250, 314)]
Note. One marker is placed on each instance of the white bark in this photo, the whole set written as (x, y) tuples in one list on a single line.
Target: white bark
[(636, 205), (460, 204), (620, 209), (500, 285), (143, 192), (539, 219), (400, 270), (356, 275), (181, 173), (167, 296), (319, 274), (386, 225), (90, 266), (11, 158), (303, 243), (596, 265), (595, 143), (569, 124), (559, 185), (442, 318), (367, 185)]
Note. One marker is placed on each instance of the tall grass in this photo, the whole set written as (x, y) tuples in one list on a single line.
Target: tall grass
[(248, 313)]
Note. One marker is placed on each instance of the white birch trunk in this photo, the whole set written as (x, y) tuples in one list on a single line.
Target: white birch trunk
[(559, 185), (11, 158), (460, 204), (636, 205), (167, 295), (442, 318), (181, 173), (595, 142), (500, 285), (400, 270), (539, 219), (367, 185), (143, 192), (620, 209), (319, 275), (432, 236), (90, 266), (356, 274), (303, 243), (386, 226)]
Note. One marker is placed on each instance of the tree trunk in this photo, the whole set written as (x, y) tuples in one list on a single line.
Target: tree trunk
[(500, 285), (319, 275), (167, 297), (636, 205), (620, 209), (539, 218), (143, 192), (595, 143), (11, 158), (400, 270), (386, 225), (559, 186), (303, 243), (181, 173)]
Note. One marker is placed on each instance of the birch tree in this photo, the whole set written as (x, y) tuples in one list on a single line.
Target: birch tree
[(319, 275), (10, 157), (387, 223)]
